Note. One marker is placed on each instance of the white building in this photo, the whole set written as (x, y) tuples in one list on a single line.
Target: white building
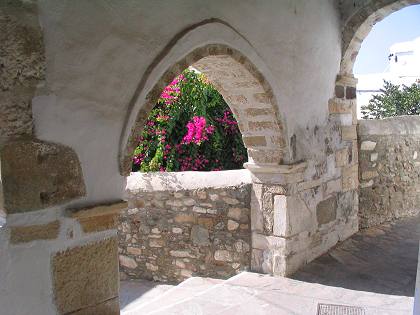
[(404, 68)]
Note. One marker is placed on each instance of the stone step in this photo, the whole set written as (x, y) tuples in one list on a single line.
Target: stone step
[(185, 290), (249, 293)]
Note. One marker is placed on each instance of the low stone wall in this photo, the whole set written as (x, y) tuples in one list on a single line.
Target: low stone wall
[(179, 225), (389, 169)]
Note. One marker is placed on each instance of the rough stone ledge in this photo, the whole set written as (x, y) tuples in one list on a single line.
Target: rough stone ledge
[(99, 217), (171, 181), (401, 125), (276, 168), (112, 208)]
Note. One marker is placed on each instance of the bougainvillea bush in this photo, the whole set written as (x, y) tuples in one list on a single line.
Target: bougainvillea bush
[(191, 128)]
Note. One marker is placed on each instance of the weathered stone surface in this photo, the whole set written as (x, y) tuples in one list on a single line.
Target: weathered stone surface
[(232, 225), (171, 243), (389, 175), (85, 276), (110, 307), (200, 236), (222, 255), (127, 262), (50, 175), (326, 210), (22, 61), (98, 218), (23, 234), (367, 145)]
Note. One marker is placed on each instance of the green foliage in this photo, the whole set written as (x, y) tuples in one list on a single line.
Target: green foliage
[(191, 128), (394, 100)]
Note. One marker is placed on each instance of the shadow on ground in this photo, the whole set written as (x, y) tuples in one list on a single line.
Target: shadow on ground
[(382, 259), (135, 290)]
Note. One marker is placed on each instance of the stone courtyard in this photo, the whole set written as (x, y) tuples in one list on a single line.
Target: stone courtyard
[(77, 82), (381, 259)]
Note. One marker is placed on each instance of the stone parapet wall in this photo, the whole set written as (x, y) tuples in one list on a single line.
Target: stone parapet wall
[(186, 224), (389, 169)]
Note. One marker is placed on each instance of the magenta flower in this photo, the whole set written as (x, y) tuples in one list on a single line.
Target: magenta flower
[(197, 131)]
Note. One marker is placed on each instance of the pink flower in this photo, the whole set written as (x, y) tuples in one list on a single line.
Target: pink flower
[(197, 131)]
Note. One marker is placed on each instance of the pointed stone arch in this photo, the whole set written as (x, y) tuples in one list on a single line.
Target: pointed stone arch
[(360, 23), (244, 88)]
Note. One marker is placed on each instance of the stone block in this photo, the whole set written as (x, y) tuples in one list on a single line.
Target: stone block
[(349, 133), (366, 175), (368, 146), (333, 186), (342, 157), (185, 218), (254, 141), (99, 217), (23, 234), (291, 216), (85, 276), (127, 262), (200, 236), (223, 255), (350, 92), (350, 177), (235, 213), (326, 210), (50, 175), (134, 250), (338, 107), (339, 91), (232, 225)]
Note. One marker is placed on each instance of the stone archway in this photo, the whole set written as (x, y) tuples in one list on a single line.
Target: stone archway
[(244, 88), (358, 25)]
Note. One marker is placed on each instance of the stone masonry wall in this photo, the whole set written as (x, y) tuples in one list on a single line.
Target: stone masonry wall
[(389, 171), (187, 224)]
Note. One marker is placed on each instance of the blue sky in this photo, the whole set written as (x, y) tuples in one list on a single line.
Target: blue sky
[(403, 25)]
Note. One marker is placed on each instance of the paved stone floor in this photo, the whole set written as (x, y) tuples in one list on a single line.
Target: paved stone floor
[(382, 259), (379, 260)]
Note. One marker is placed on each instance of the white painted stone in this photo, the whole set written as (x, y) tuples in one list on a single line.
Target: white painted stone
[(374, 157), (368, 146), (155, 231), (187, 180), (415, 155)]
